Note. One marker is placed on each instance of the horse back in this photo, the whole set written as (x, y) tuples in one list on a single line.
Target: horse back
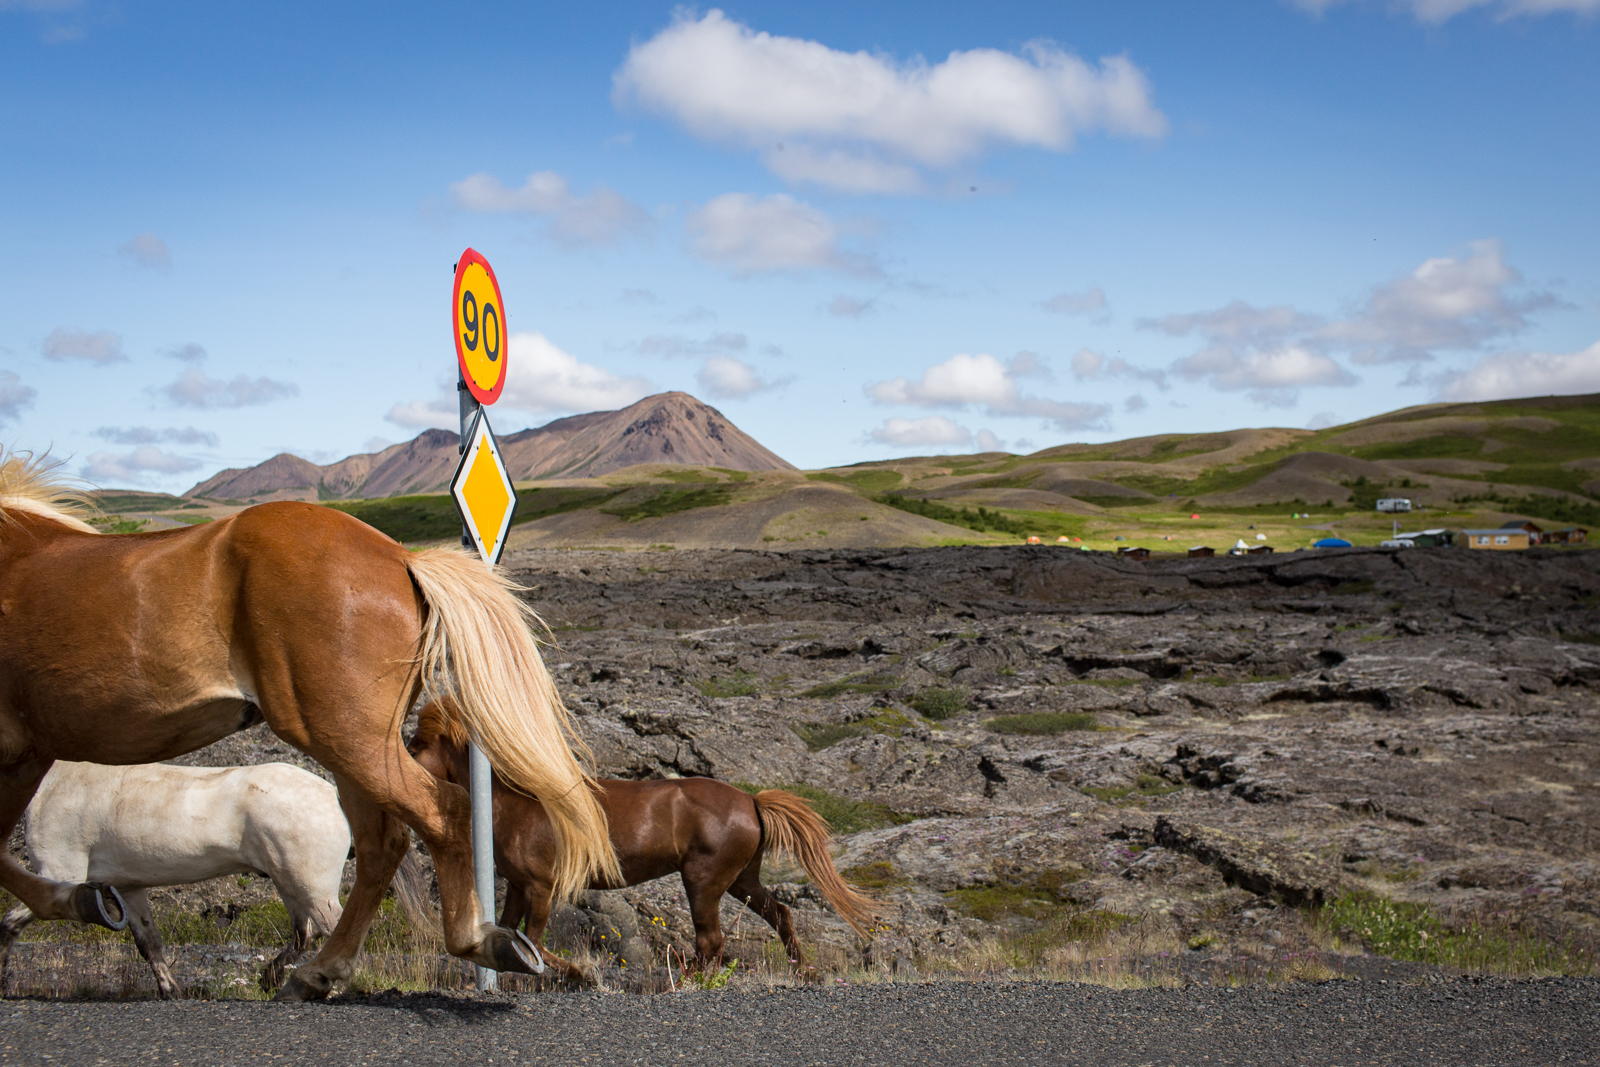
[(154, 824)]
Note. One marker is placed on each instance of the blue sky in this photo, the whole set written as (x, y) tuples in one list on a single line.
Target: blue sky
[(861, 231)]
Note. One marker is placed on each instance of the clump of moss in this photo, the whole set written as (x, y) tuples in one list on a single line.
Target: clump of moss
[(1042, 723), (820, 736), (940, 702), (880, 875), (739, 684), (1146, 785), (855, 683)]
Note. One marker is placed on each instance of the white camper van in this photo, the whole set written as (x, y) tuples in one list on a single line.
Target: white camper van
[(1394, 503)]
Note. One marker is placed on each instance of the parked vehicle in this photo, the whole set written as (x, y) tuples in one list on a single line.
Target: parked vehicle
[(1394, 503)]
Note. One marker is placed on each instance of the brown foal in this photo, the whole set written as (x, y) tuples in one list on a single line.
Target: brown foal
[(141, 647), (710, 833)]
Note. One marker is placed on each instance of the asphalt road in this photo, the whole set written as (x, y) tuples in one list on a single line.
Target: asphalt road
[(1346, 1022)]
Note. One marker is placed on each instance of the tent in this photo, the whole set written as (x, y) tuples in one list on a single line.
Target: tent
[(1331, 542)]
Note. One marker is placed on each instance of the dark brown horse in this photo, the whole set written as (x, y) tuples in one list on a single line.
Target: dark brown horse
[(138, 648), (710, 833)]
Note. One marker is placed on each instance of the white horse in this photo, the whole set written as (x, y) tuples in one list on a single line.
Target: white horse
[(152, 825)]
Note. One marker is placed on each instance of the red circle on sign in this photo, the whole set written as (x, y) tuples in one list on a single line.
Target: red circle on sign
[(475, 306)]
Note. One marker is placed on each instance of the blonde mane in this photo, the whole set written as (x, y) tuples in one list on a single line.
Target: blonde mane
[(31, 483)]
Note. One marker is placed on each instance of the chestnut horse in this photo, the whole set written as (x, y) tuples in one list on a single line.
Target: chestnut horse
[(140, 647), (708, 832)]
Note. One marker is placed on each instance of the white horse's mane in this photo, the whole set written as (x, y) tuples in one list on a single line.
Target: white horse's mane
[(30, 483)]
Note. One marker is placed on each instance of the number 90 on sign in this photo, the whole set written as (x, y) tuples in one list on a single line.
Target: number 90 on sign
[(480, 327)]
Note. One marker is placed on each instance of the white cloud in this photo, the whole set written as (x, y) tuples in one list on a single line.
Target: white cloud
[(543, 378), (862, 122), (1455, 303), (1256, 349), (602, 217), (14, 396), (985, 441), (848, 307), (440, 414), (195, 389), (1322, 420), (1437, 12), (189, 353), (145, 435), (774, 233), (841, 171), (727, 378), (1519, 374), (104, 467), (376, 444), (1084, 303), (1135, 403), (147, 250), (915, 433), (1089, 365), (96, 346), (982, 380)]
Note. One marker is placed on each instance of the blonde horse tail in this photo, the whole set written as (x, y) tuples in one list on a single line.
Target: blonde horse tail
[(790, 827), (478, 645), (411, 895)]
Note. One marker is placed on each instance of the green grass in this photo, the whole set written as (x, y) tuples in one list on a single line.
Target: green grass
[(430, 517), (1482, 942), (941, 702), (1042, 723), (1116, 501), (1553, 508), (739, 684), (983, 520), (191, 520), (137, 502), (658, 501), (868, 481), (844, 815), (880, 875), (855, 683), (825, 735), (110, 524)]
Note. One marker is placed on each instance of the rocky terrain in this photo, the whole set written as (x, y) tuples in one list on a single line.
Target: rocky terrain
[(1031, 747)]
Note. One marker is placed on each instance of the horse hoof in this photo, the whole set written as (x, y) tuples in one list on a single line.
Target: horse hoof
[(89, 905), (513, 952), (295, 991)]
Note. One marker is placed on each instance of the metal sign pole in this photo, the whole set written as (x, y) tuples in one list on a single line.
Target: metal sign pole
[(481, 775)]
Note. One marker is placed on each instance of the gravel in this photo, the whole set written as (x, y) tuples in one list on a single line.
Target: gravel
[(1455, 1022)]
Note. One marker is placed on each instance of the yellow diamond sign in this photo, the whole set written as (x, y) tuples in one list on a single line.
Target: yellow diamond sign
[(484, 492)]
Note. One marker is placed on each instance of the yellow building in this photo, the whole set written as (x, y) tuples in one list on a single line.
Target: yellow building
[(1502, 540)]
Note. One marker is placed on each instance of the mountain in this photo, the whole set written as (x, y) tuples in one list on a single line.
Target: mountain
[(667, 428)]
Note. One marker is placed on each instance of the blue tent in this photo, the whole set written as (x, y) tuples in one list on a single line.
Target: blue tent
[(1331, 542)]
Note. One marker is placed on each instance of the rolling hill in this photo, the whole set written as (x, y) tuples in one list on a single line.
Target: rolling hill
[(671, 471)]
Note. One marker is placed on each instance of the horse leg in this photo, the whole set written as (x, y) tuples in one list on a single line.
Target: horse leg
[(14, 923), (749, 890), (86, 902), (299, 940), (516, 909), (148, 939), (705, 898), (380, 842), (533, 900)]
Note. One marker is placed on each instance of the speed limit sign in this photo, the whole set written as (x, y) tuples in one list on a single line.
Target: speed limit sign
[(480, 325)]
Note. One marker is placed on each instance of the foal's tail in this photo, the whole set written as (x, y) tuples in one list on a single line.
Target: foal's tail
[(788, 825), (478, 645)]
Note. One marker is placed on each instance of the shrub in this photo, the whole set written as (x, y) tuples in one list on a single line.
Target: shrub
[(1041, 723), (940, 702)]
